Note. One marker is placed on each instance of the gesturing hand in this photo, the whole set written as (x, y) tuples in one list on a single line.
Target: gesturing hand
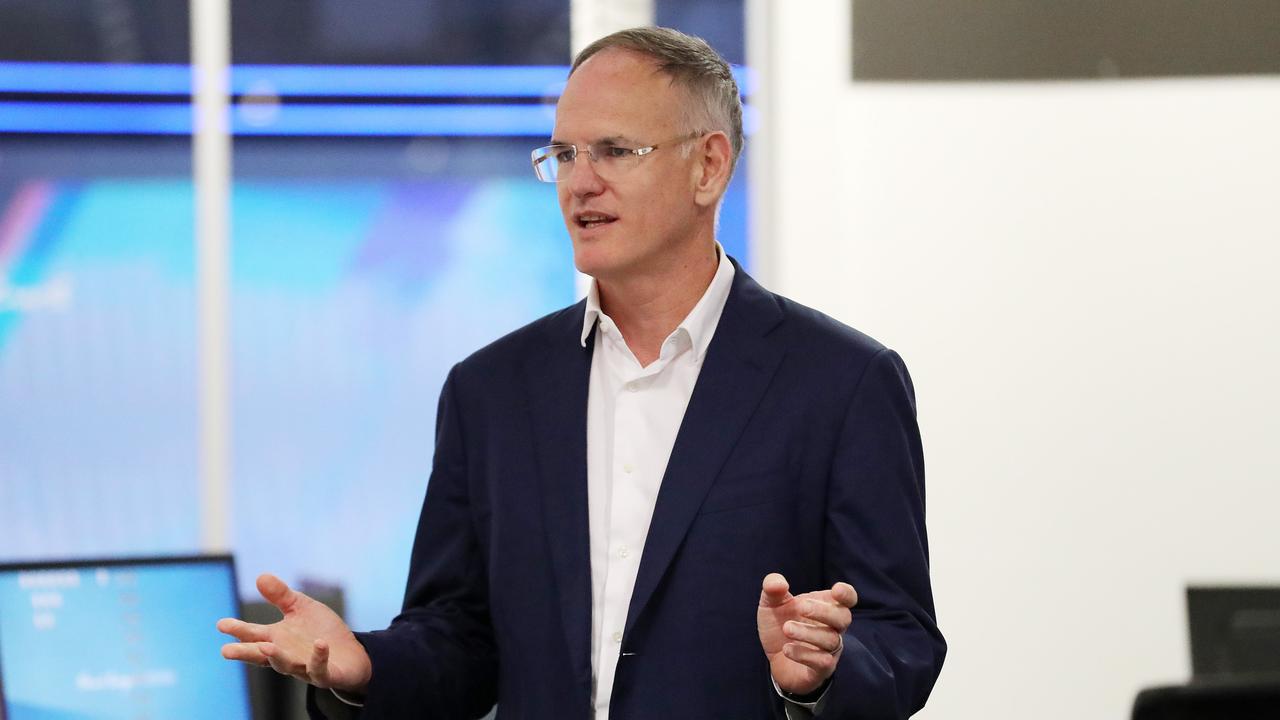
[(311, 643), (801, 634)]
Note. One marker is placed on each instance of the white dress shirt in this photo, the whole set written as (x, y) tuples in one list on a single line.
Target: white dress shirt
[(633, 415)]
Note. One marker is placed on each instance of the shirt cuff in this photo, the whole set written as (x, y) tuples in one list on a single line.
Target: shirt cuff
[(797, 710), (353, 701)]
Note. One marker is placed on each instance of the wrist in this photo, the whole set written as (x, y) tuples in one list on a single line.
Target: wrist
[(811, 696), (357, 684)]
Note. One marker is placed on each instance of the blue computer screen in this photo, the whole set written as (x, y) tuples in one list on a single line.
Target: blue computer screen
[(118, 641)]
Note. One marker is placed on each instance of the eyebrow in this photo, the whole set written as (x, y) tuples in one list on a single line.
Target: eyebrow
[(608, 140)]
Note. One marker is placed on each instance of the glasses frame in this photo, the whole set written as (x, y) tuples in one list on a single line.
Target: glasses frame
[(548, 152)]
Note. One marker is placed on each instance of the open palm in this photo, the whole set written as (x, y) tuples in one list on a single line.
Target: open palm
[(310, 643)]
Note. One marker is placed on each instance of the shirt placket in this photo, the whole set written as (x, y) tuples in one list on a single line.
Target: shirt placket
[(629, 480)]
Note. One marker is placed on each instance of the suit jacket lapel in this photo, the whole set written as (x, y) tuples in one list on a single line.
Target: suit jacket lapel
[(737, 369), (558, 380)]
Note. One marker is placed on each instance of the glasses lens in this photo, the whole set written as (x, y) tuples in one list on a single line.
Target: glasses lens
[(612, 161), (553, 162)]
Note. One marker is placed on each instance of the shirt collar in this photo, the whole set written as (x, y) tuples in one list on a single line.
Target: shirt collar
[(699, 324), (593, 311)]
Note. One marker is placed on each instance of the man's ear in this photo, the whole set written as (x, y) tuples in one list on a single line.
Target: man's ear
[(713, 158)]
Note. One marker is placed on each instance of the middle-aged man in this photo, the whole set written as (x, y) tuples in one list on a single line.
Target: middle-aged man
[(625, 492)]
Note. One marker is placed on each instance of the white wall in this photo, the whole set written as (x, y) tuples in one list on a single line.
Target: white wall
[(1083, 279)]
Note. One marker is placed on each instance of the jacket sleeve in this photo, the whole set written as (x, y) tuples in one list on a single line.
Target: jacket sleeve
[(875, 540), (438, 657)]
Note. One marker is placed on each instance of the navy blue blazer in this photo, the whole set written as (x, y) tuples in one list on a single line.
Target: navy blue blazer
[(799, 453)]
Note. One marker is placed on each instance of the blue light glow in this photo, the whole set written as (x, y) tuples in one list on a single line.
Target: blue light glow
[(175, 119), (283, 81), (317, 80), (523, 81)]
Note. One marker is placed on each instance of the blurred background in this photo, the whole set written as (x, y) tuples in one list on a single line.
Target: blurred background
[(1065, 220)]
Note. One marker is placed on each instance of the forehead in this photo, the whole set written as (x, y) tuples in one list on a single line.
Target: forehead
[(617, 93)]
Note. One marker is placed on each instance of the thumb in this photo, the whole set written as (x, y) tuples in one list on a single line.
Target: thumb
[(843, 593), (774, 591), (275, 591)]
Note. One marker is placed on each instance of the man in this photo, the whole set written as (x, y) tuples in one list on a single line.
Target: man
[(619, 486)]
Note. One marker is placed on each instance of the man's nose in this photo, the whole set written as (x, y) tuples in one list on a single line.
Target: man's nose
[(583, 180)]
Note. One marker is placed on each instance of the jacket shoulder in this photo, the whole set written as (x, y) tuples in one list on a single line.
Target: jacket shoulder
[(817, 332), (845, 359)]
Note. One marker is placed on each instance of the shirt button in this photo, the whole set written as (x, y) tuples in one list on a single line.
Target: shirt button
[(633, 386), (623, 552), (617, 637), (628, 468)]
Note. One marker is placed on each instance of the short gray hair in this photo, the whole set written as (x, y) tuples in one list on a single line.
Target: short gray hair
[(692, 64)]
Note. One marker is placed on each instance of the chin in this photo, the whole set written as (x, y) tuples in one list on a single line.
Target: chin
[(589, 266), (591, 258)]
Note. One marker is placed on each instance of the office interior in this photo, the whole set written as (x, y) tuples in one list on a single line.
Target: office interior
[(228, 336)]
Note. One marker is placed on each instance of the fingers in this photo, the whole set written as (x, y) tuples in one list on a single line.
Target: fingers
[(821, 661), (844, 594), (282, 663), (318, 665), (265, 654), (822, 637), (243, 631), (834, 616), (774, 591), (277, 661), (314, 671), (247, 652), (275, 591)]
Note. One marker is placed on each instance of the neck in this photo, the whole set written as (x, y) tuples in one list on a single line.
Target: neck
[(648, 308)]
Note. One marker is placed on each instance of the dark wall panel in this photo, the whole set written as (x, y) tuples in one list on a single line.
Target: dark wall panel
[(1063, 39)]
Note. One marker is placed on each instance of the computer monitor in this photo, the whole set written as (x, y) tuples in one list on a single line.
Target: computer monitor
[(124, 638), (1235, 631)]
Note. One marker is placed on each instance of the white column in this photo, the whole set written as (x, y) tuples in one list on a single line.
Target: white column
[(590, 20), (761, 189), (211, 143)]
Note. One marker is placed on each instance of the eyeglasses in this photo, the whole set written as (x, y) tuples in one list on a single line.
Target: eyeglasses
[(554, 163)]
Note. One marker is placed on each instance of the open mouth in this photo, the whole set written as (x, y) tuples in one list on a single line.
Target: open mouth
[(592, 220)]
